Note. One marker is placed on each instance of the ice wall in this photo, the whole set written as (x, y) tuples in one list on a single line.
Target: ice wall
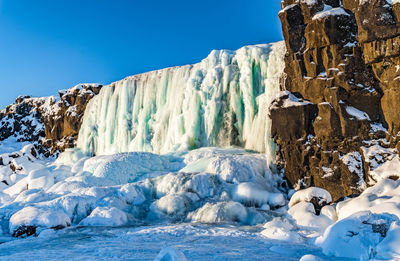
[(221, 101)]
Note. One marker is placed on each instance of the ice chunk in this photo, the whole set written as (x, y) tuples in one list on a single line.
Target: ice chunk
[(203, 184), (220, 212), (171, 205), (310, 258), (253, 194), (170, 254), (281, 229)]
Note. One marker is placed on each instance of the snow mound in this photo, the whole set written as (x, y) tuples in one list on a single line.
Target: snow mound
[(105, 216), (128, 167), (356, 236), (44, 218), (281, 229), (384, 197), (304, 214)]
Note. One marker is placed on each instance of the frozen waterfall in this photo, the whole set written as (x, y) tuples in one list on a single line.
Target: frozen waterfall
[(221, 101)]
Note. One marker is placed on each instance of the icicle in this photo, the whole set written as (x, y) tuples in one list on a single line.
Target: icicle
[(221, 101)]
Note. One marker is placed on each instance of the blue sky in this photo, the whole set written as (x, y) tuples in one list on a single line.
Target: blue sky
[(48, 45)]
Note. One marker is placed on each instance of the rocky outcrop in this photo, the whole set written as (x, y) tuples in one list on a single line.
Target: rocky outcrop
[(343, 59), (51, 123)]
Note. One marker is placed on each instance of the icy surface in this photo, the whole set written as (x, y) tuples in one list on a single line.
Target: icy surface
[(220, 101), (196, 242)]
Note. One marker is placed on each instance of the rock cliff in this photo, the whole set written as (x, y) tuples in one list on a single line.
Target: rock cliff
[(51, 123), (341, 105)]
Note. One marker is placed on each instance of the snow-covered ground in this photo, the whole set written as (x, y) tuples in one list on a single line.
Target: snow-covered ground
[(208, 203)]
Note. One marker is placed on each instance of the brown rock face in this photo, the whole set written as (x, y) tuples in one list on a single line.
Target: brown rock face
[(63, 121), (51, 123), (343, 58)]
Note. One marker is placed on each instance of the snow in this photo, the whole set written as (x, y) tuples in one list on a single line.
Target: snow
[(105, 216), (310, 258), (292, 100), (329, 11), (38, 217), (137, 193), (354, 163), (220, 212), (282, 230), (253, 194), (356, 236), (309, 2), (306, 195), (305, 216), (383, 162), (187, 107), (359, 115), (393, 2)]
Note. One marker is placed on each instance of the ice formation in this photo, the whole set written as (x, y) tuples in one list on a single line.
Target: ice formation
[(221, 101)]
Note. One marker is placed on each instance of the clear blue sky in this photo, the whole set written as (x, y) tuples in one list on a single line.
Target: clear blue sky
[(48, 45)]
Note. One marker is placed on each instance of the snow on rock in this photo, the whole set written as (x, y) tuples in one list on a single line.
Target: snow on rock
[(312, 194), (354, 163), (383, 163), (105, 216), (359, 115), (329, 11), (38, 217), (384, 197), (357, 235), (170, 254)]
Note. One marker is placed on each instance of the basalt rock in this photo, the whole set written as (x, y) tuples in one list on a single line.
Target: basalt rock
[(343, 61), (50, 123)]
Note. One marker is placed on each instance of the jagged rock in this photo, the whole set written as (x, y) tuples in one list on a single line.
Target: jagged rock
[(343, 57), (24, 231), (299, 115), (57, 120)]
